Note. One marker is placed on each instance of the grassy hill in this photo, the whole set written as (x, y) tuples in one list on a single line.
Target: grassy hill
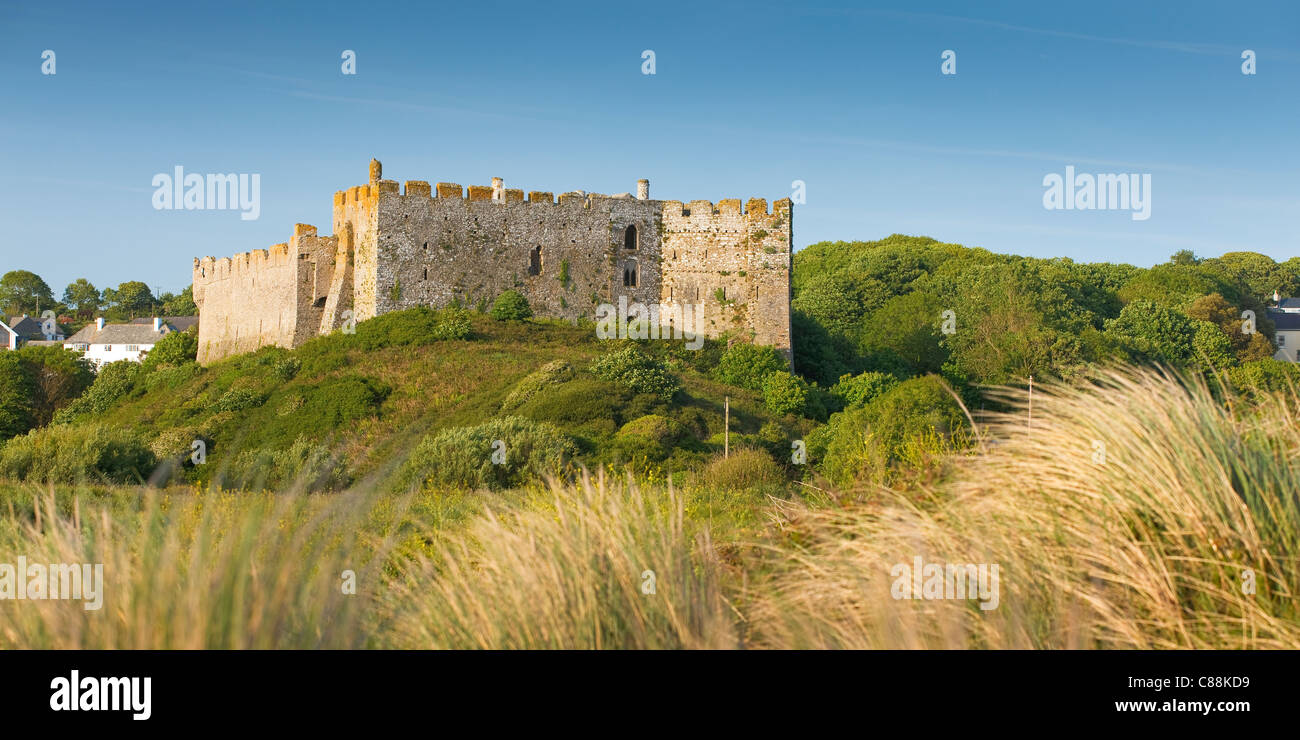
[(358, 404)]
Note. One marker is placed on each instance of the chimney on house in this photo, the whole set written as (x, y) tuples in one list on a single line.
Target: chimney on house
[(498, 190), (99, 324), (643, 189), (1276, 298), (157, 325)]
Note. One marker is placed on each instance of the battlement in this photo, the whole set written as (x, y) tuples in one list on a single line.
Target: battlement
[(402, 244)]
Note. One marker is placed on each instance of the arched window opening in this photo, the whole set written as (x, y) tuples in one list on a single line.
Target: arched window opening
[(629, 238), (629, 275)]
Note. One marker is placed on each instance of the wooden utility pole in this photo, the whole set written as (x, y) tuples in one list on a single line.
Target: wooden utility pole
[(1031, 402), (726, 426)]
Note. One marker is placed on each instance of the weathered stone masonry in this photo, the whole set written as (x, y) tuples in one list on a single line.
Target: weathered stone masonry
[(398, 248)]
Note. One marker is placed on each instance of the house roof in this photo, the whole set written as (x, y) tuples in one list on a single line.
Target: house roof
[(1284, 321), (1289, 303), (116, 334), (179, 323), (28, 327)]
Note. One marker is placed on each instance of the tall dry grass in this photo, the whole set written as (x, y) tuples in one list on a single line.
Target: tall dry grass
[(1148, 547), (215, 570), (1131, 514), (605, 565)]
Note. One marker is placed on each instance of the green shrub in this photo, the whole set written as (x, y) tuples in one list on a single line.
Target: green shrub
[(511, 306), (176, 348), (463, 457), (900, 433), (112, 383), (651, 437), (305, 464), (785, 393), (745, 469), (748, 365), (636, 371), (411, 328), (550, 374), (287, 369), (859, 390), (588, 404), (17, 391), (78, 454), (238, 399)]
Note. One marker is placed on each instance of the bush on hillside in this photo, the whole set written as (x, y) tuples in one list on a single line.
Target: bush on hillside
[(748, 365), (501, 453), (744, 469), (78, 454), (112, 383), (550, 374), (636, 371), (511, 306), (176, 348), (907, 428), (307, 465)]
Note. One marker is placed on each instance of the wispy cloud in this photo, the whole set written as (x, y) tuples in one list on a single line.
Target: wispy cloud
[(1185, 47)]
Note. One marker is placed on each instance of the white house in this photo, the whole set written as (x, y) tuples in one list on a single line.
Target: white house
[(1286, 320), (101, 343)]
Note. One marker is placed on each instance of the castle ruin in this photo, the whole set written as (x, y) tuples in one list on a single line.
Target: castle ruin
[(396, 248)]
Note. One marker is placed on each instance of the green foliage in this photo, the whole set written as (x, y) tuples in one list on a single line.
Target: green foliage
[(60, 376), (287, 369), (181, 304), (785, 393), (636, 371), (650, 438), (82, 297), (112, 383), (176, 348), (17, 394), (1265, 376), (305, 465), (901, 432), (462, 457), (748, 365), (22, 291), (411, 328), (78, 454), (238, 399), (550, 374), (906, 330), (859, 390), (744, 469), (129, 300), (511, 306), (1212, 347), (1154, 333)]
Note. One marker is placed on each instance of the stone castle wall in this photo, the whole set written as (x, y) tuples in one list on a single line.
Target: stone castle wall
[(398, 247)]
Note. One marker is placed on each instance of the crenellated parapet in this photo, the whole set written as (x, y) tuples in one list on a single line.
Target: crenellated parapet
[(402, 244)]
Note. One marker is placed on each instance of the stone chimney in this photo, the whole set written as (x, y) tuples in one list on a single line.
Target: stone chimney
[(99, 324), (498, 190), (376, 171), (643, 189), (1276, 298)]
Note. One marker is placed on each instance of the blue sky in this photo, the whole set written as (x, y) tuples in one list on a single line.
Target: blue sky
[(746, 98)]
